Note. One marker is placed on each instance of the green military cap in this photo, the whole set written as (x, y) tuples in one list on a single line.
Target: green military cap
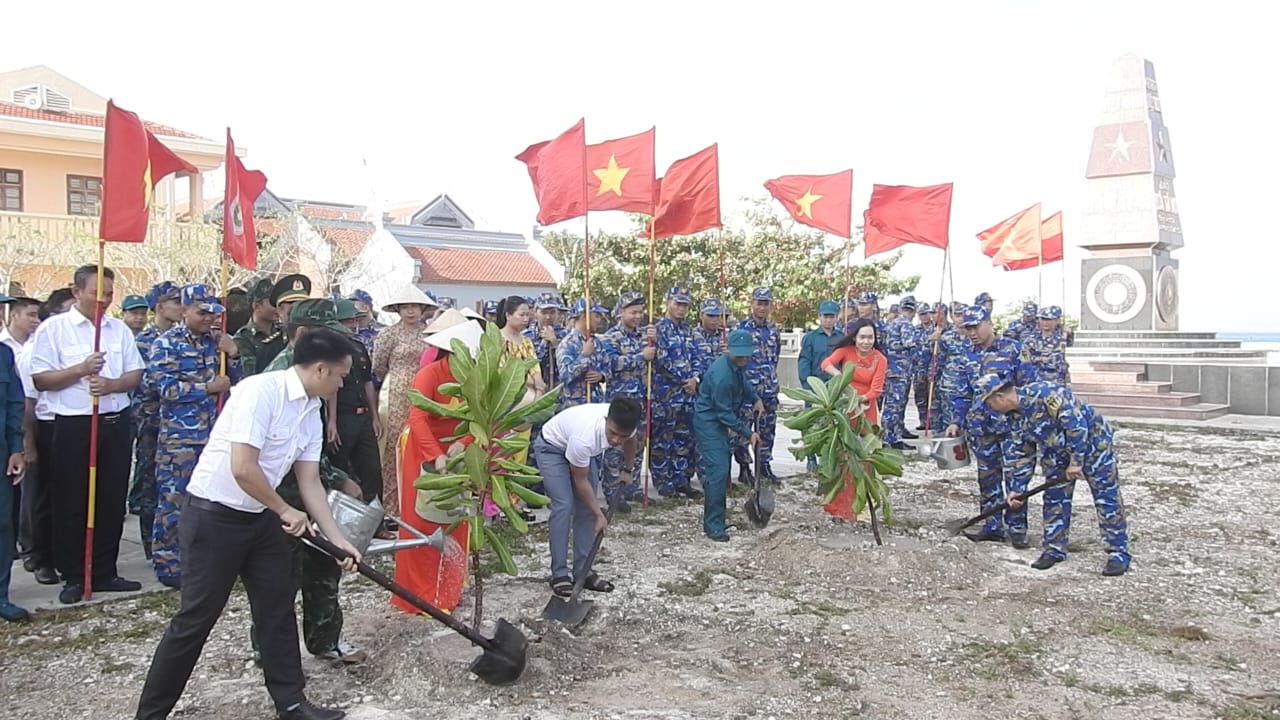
[(261, 290), (316, 312), (291, 288), (346, 309)]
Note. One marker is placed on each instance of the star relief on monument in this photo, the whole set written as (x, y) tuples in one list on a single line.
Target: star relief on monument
[(804, 203), (611, 177), (1120, 147)]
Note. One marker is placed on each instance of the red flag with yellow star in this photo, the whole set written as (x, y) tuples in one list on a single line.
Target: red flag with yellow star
[(239, 239), (1050, 245), (687, 198), (557, 169), (133, 162), (620, 174), (821, 201), (1014, 238)]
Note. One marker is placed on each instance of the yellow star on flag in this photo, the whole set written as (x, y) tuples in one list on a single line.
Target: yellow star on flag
[(610, 177), (146, 187), (804, 204)]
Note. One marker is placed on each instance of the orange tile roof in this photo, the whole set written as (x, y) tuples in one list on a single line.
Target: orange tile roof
[(479, 267), (349, 240), (331, 213), (75, 118)]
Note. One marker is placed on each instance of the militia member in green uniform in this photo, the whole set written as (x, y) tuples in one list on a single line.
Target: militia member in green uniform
[(355, 414), (262, 338)]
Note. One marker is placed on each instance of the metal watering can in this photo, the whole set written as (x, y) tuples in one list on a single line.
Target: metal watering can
[(950, 453), (360, 522)]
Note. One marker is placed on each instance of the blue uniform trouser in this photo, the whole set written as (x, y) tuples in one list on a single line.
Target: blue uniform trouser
[(1103, 475), (568, 511), (767, 428), (142, 491), (671, 442), (1006, 463), (895, 408), (613, 467), (175, 461), (713, 455)]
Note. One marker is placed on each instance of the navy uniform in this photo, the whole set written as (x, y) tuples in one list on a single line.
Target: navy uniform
[(1073, 437), (674, 369), (815, 346), (927, 369), (626, 357), (256, 347), (708, 335), (182, 364), (368, 333), (548, 305), (145, 407), (762, 373), (902, 343), (954, 350), (1024, 327), (1047, 351), (573, 364)]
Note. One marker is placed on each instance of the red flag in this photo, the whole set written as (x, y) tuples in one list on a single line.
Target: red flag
[(688, 196), (1015, 238), (1050, 245), (557, 169), (821, 201), (133, 162), (620, 174), (243, 188), (901, 214)]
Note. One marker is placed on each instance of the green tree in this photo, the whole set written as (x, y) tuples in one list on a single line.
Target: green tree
[(761, 247)]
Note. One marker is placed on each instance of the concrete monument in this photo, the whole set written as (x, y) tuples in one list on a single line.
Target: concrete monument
[(1130, 226)]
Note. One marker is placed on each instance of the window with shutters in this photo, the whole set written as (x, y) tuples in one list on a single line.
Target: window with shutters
[(84, 195), (10, 190)]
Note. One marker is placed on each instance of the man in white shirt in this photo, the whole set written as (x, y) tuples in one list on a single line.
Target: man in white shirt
[(569, 454), (24, 316), (65, 367), (36, 527), (269, 425)]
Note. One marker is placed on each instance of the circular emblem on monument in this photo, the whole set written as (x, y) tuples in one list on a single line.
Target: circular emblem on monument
[(1116, 293), (1167, 295)]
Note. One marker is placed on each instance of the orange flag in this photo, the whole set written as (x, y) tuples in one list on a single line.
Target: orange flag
[(620, 174), (1050, 245), (1015, 238), (688, 196), (557, 169), (133, 162), (239, 240), (821, 201)]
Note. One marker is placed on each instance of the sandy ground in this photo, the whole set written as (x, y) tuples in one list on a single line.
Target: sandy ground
[(805, 619)]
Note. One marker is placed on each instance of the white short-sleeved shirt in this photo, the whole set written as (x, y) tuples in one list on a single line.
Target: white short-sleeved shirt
[(66, 340), (7, 338), (23, 362), (271, 412), (579, 431)]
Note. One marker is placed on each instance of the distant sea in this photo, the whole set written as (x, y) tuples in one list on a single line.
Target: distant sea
[(1251, 337)]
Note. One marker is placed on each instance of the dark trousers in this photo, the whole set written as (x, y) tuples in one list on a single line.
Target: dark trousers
[(36, 524), (357, 454), (218, 545), (68, 465)]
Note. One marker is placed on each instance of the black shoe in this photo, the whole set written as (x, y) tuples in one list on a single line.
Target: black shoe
[(170, 582), (47, 576), (689, 492), (668, 494), (622, 506), (117, 584), (29, 564), (71, 594), (920, 426), (766, 473), (899, 446), (1046, 561), (908, 435), (719, 538), (1019, 541), (745, 476), (986, 536), (1115, 567), (308, 711)]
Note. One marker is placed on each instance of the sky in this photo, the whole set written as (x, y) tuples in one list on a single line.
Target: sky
[(998, 97)]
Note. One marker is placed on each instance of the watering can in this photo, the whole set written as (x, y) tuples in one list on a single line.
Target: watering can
[(950, 453), (359, 522)]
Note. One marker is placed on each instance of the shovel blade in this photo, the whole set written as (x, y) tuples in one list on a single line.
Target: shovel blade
[(568, 612), (759, 508), (504, 663)]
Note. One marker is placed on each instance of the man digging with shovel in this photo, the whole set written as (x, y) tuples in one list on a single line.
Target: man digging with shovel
[(722, 391)]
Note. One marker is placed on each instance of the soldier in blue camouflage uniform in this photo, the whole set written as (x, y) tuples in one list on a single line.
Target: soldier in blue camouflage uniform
[(708, 335), (1024, 327), (815, 346), (986, 302), (490, 311), (183, 370), (628, 350), (953, 350), (762, 373), (164, 302), (926, 375), (1075, 442), (1005, 455), (1046, 347), (367, 328), (262, 338), (675, 387), (902, 346), (579, 360), (545, 334)]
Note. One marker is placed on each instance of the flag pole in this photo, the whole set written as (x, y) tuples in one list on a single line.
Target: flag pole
[(1040, 273), (586, 282), (648, 380), (933, 360), (222, 355), (90, 516)]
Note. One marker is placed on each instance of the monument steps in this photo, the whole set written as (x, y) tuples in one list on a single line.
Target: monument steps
[(1140, 399), (1136, 388), (1145, 335), (1202, 411), (1154, 343), (1118, 389), (1163, 355)]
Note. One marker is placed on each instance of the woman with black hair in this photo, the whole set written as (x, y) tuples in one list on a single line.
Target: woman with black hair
[(870, 365), (514, 316)]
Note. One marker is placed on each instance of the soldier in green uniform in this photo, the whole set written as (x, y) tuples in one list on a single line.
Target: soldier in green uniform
[(316, 574), (356, 414), (262, 338)]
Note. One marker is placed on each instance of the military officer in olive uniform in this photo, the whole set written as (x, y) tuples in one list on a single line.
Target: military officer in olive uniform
[(262, 338), (358, 426)]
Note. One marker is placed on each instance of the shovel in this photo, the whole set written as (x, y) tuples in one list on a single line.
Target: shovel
[(572, 611), (503, 658), (956, 526), (759, 506)]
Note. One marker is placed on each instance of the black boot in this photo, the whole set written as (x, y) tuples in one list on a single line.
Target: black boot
[(745, 477), (766, 473), (145, 523)]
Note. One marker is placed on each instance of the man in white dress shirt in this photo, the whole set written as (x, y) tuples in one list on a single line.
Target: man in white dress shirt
[(269, 425), (65, 367)]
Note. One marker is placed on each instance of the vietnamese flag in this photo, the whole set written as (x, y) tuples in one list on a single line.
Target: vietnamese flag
[(1014, 238), (1050, 245), (901, 214), (133, 162), (821, 201), (688, 196), (557, 169), (620, 174), (242, 189)]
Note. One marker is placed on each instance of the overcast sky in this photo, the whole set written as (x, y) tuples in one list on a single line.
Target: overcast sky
[(998, 97)]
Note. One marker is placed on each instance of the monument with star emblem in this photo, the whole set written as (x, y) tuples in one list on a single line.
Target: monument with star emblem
[(1130, 227)]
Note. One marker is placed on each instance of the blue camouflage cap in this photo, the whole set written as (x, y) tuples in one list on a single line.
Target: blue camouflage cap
[(680, 294), (988, 384), (630, 298), (712, 307), (983, 297), (547, 301), (490, 307), (849, 303), (828, 307), (162, 291), (974, 315), (202, 297), (1030, 309), (762, 293), (908, 302), (1050, 312), (924, 308), (134, 302), (868, 298), (361, 296)]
